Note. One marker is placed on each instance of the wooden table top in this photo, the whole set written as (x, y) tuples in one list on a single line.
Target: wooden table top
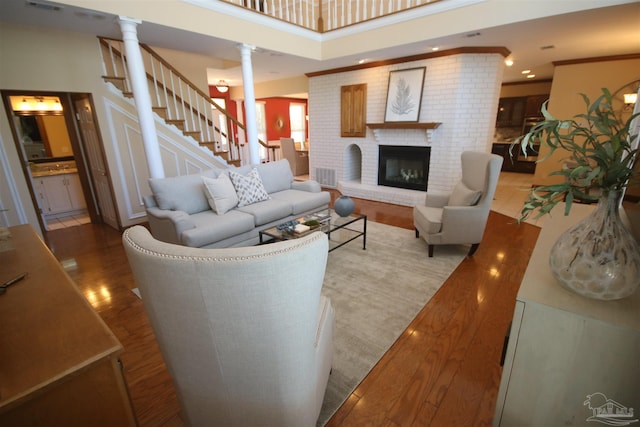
[(48, 330)]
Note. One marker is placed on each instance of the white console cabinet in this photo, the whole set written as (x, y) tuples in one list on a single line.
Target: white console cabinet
[(60, 193), (564, 348)]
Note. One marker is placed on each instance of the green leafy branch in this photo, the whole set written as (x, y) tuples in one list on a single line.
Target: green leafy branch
[(601, 155)]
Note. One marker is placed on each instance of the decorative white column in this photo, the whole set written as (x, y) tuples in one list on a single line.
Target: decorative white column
[(141, 96), (251, 122)]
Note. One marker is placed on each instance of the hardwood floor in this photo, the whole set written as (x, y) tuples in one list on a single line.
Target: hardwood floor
[(443, 371)]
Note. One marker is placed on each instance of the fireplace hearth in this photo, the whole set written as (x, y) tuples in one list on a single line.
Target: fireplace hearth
[(404, 166)]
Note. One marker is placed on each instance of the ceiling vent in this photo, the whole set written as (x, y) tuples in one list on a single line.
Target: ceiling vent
[(549, 46), (44, 6), (472, 35)]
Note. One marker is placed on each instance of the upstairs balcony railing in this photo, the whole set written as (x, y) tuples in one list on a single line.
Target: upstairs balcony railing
[(328, 15)]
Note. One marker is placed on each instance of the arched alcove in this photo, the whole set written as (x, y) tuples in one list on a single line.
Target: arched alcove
[(352, 168)]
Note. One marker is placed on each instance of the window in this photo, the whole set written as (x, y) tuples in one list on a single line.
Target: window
[(297, 118), (220, 121)]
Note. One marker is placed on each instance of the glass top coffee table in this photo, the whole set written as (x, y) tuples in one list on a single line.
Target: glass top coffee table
[(340, 230)]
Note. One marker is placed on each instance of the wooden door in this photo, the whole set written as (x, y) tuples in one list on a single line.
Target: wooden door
[(98, 172)]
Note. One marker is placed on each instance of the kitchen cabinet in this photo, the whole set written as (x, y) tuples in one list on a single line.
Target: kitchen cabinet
[(568, 356), (533, 106), (519, 163), (513, 110), (60, 193), (353, 110), (60, 362)]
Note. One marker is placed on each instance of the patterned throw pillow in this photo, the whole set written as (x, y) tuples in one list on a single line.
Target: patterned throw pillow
[(249, 187)]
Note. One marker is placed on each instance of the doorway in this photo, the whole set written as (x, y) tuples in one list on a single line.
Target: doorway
[(58, 138)]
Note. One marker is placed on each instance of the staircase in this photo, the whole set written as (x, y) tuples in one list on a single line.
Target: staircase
[(178, 102)]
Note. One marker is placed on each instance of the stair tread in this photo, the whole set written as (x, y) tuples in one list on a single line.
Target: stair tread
[(122, 84)]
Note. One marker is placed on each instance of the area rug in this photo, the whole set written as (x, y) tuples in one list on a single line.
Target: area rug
[(376, 293)]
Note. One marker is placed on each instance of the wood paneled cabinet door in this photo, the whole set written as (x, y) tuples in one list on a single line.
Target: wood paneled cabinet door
[(353, 110), (533, 107)]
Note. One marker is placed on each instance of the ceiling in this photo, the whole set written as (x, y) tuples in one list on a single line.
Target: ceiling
[(534, 44)]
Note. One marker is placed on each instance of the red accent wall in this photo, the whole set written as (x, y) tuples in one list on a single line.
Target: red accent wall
[(230, 106), (278, 109)]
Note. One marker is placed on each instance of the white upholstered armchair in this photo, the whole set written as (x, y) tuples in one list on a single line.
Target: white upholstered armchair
[(298, 161), (245, 333), (460, 217)]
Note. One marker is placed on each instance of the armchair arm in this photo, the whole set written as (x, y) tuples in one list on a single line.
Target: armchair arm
[(309, 185), (436, 200), (167, 225)]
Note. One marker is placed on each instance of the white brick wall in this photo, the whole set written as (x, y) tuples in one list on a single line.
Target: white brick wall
[(460, 91)]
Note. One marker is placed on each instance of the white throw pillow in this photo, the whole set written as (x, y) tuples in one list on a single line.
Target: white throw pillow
[(464, 196), (220, 193), (249, 187)]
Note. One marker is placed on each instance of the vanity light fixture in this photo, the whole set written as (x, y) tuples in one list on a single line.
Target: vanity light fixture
[(36, 104), (222, 86)]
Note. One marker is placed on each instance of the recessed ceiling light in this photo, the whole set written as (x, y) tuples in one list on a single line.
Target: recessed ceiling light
[(525, 71), (530, 76), (508, 62), (435, 48), (362, 61)]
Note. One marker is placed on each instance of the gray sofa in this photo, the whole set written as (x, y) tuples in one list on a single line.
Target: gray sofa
[(180, 212)]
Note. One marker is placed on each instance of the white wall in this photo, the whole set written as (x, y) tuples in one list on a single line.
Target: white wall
[(569, 81), (461, 91), (51, 60)]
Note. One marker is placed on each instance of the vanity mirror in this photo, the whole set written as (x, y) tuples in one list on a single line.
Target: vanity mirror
[(41, 128)]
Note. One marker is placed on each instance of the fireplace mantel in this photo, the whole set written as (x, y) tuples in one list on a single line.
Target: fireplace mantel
[(404, 125), (378, 127)]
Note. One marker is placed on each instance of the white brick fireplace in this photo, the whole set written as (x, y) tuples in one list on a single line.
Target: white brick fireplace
[(461, 92)]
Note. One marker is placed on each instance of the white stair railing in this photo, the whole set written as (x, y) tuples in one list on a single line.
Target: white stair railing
[(178, 101)]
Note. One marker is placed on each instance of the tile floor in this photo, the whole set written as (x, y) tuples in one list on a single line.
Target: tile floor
[(511, 193), (67, 221)]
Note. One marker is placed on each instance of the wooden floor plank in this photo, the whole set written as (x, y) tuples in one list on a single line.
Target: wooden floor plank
[(441, 371)]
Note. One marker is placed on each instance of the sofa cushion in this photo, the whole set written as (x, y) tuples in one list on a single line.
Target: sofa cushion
[(249, 187), (220, 193), (182, 193), (428, 218), (276, 176), (267, 211), (302, 201), (463, 195), (210, 227)]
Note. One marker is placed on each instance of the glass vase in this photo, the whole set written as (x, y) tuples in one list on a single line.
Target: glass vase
[(598, 257)]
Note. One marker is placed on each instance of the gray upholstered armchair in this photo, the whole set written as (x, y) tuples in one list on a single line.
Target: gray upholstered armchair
[(460, 217), (245, 333)]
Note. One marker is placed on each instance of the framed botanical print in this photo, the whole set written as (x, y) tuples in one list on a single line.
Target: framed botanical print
[(404, 95)]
